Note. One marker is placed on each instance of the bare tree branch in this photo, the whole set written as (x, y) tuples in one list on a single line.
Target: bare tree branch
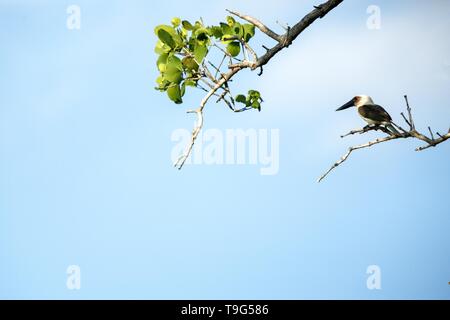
[(199, 112), (412, 133), (366, 129), (292, 33), (283, 41), (351, 149), (261, 26)]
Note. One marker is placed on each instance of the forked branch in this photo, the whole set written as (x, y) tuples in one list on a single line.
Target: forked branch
[(283, 41)]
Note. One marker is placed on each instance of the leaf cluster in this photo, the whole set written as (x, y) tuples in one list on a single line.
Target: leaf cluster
[(182, 47)]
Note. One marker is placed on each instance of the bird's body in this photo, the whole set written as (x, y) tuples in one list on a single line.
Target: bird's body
[(372, 113)]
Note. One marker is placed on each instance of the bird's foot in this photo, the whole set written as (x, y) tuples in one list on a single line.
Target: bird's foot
[(369, 127)]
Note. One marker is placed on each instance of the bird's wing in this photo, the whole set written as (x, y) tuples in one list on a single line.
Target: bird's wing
[(374, 112)]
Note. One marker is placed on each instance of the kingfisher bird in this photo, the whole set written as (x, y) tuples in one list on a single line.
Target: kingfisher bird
[(372, 113)]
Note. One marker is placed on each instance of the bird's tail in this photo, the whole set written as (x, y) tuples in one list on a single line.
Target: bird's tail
[(392, 129)]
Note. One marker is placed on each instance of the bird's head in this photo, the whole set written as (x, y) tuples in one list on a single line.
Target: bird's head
[(357, 101)]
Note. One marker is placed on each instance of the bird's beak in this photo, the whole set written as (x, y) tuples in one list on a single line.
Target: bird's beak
[(347, 105)]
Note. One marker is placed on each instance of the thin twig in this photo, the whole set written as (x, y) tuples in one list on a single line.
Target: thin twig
[(261, 26), (406, 120), (199, 112), (220, 66), (408, 108), (351, 149), (364, 130), (285, 28), (431, 133)]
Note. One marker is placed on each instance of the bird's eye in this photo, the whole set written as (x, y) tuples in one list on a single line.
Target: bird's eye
[(356, 99)]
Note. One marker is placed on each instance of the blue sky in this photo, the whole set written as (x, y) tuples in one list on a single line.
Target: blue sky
[(86, 177)]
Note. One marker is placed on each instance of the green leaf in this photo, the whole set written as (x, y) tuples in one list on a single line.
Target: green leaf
[(161, 48), (187, 25), (160, 80), (226, 29), (253, 99), (184, 34), (226, 38), (249, 31), (190, 83), (231, 21), (190, 64), (238, 30), (175, 62), (198, 25), (176, 22), (200, 53), (216, 32), (166, 38), (241, 98), (256, 105), (174, 94), (165, 27), (173, 74), (162, 83), (161, 62), (234, 48), (254, 94), (202, 36)]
